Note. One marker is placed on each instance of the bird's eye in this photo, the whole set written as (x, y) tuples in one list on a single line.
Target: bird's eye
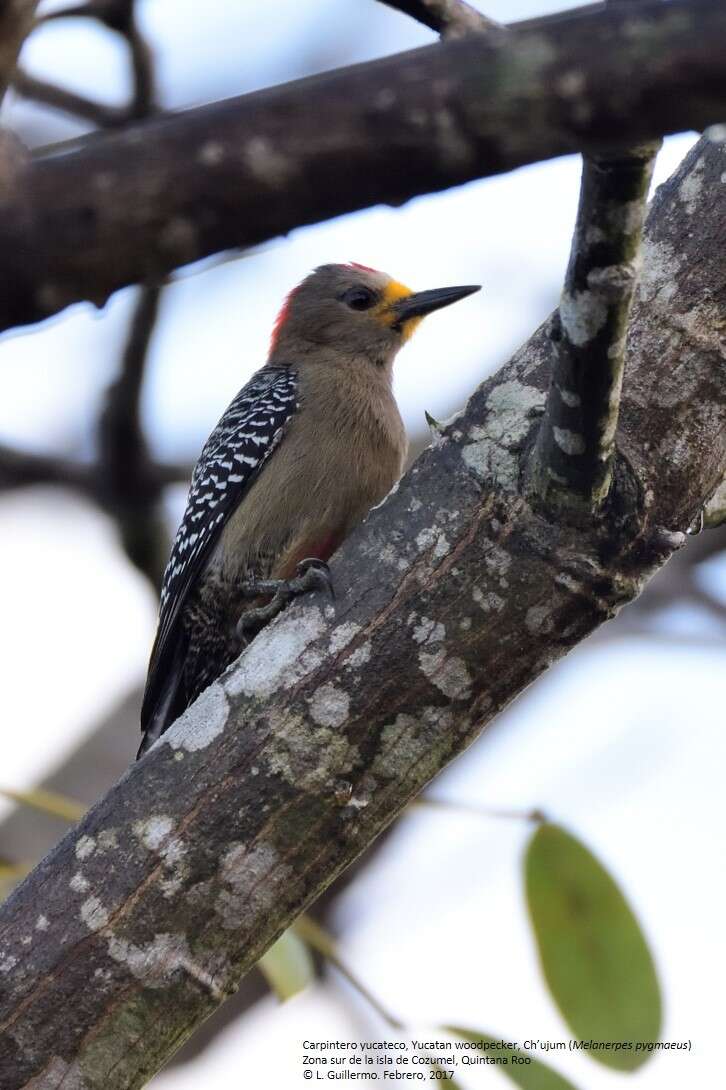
[(359, 298)]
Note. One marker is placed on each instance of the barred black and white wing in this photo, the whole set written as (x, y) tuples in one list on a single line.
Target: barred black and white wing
[(231, 459)]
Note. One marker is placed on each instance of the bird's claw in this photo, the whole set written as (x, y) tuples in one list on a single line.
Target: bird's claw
[(314, 574), (310, 574)]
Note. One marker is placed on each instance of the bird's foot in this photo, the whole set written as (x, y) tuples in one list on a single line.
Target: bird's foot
[(311, 574)]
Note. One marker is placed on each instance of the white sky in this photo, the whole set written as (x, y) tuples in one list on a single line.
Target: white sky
[(621, 742)]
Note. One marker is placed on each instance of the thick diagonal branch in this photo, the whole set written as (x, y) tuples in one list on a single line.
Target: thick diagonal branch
[(452, 597), (572, 465), (178, 188)]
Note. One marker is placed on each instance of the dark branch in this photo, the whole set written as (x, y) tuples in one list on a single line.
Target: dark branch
[(128, 483), (572, 465), (69, 102), (19, 469), (16, 20), (449, 18), (22, 469), (118, 16), (236, 173)]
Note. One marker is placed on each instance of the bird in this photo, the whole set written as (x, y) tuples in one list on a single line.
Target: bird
[(305, 449)]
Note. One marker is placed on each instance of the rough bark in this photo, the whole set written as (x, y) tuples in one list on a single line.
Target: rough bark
[(178, 188), (572, 465), (452, 597)]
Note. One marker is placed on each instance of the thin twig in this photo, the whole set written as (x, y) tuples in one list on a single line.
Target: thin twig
[(449, 18), (20, 469), (130, 489), (428, 802), (24, 469), (69, 102), (572, 466), (319, 940), (118, 16)]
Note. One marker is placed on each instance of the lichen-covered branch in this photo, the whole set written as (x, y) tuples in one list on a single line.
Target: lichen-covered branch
[(16, 19), (177, 188), (449, 18), (572, 463), (451, 598)]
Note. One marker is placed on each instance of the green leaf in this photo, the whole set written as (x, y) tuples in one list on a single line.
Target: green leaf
[(287, 966), (594, 956), (521, 1067)]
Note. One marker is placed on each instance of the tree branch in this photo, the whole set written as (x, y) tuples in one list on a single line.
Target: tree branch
[(128, 485), (178, 188), (16, 19), (119, 16), (453, 596), (69, 102), (449, 18), (572, 463)]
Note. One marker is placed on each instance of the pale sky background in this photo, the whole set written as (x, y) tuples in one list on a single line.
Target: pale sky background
[(623, 742)]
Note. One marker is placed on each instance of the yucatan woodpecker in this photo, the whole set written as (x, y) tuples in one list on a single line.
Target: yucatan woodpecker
[(307, 447)]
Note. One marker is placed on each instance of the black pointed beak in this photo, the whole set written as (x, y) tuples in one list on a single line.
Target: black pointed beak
[(424, 302)]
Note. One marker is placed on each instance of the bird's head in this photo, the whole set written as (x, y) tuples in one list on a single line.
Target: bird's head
[(352, 312)]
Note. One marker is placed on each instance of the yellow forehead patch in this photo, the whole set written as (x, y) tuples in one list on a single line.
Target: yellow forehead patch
[(392, 292)]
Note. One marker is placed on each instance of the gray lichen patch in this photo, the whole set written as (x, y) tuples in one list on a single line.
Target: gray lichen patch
[(341, 636), (432, 538), (201, 723), (85, 846), (661, 264), (410, 740), (254, 877), (311, 758), (569, 441), (691, 186), (94, 915), (583, 315), (447, 672), (329, 705), (359, 657), (488, 600), (277, 656), (427, 631), (492, 452), (155, 963), (539, 619), (154, 830)]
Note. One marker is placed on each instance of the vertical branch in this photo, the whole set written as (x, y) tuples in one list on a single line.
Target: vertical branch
[(128, 485), (572, 463), (16, 19), (126, 477), (572, 466)]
